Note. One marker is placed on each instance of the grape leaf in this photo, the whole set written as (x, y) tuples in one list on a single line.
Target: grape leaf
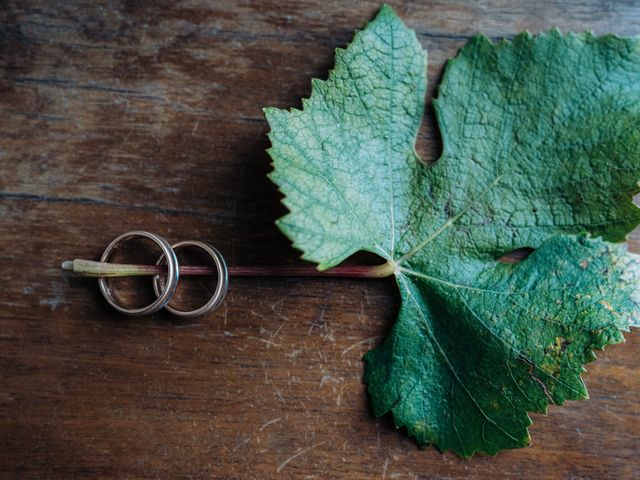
[(541, 149)]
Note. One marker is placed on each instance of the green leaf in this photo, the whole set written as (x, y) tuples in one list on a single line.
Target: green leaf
[(541, 149)]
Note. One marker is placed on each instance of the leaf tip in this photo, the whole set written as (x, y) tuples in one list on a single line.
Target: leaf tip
[(555, 32), (387, 12), (270, 113), (387, 9)]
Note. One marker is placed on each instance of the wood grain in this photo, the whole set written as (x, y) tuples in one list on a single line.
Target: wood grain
[(147, 115)]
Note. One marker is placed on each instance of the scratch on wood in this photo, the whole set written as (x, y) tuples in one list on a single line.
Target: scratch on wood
[(274, 309), (384, 468), (328, 378), (296, 455), (275, 334), (270, 422), (304, 407), (361, 342), (321, 355), (279, 395), (319, 322), (189, 325), (615, 415), (294, 353), (264, 340)]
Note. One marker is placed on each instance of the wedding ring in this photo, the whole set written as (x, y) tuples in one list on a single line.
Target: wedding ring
[(221, 287), (164, 294)]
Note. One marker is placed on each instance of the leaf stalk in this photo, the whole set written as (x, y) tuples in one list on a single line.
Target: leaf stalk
[(89, 268)]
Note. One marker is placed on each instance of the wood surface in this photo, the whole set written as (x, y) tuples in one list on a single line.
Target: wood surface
[(127, 115)]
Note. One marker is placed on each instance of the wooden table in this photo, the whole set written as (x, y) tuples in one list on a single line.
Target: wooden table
[(130, 115)]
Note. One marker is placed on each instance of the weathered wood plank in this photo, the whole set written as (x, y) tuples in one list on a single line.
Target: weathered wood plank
[(126, 115)]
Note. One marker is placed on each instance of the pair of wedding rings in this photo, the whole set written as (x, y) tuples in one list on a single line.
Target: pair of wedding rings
[(164, 290)]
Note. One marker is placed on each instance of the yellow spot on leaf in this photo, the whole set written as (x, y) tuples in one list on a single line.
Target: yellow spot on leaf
[(606, 305)]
